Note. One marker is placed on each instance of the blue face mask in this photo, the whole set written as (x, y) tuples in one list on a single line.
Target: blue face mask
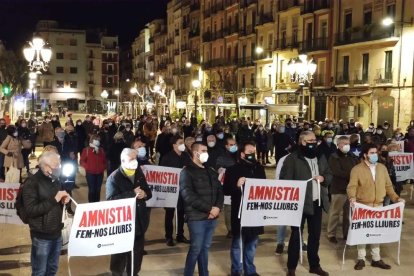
[(373, 158), (220, 135), (142, 152), (233, 149)]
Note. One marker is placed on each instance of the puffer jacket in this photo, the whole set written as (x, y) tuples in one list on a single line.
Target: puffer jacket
[(44, 213), (119, 186), (295, 167), (201, 191)]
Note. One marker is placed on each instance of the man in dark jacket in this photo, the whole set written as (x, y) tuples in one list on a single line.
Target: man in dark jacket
[(244, 133), (303, 164), (214, 150), (283, 143), (247, 167), (327, 147), (203, 199), (32, 125), (128, 182), (341, 163), (175, 159), (42, 202), (162, 144)]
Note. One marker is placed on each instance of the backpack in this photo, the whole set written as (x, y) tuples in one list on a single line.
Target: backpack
[(21, 212)]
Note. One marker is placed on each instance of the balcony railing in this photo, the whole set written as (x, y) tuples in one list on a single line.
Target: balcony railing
[(195, 6), (185, 47), (231, 29), (185, 71), (342, 78), (194, 33), (246, 3), (186, 24), (263, 83), (246, 30), (265, 18), (194, 58), (316, 44), (363, 34), (287, 4), (176, 71), (217, 62), (288, 42), (206, 65), (360, 77), (245, 62), (207, 37), (217, 35), (161, 50), (311, 6), (384, 76), (266, 54), (319, 80)]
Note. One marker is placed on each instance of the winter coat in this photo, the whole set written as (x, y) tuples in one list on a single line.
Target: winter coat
[(94, 163), (295, 167), (43, 212), (282, 141), (244, 134), (68, 146), (119, 186), (173, 160), (150, 131), (114, 153), (201, 191), (241, 169), (326, 149), (341, 165), (13, 145), (81, 135), (261, 141), (46, 132)]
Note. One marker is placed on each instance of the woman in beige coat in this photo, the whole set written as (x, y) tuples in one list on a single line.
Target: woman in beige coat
[(12, 150)]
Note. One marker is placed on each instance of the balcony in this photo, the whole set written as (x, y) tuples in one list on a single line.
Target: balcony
[(206, 65), (185, 71), (319, 80), (263, 83), (185, 24), (264, 18), (246, 3), (317, 44), (194, 33), (176, 52), (194, 7), (364, 34), (217, 8), (207, 37), (342, 78), (217, 35), (176, 71), (310, 6), (284, 5), (218, 62), (194, 58), (161, 50), (233, 29), (229, 3), (384, 76), (185, 47), (151, 58), (245, 62), (207, 13), (360, 78), (170, 41), (247, 30), (161, 66), (266, 54), (288, 43)]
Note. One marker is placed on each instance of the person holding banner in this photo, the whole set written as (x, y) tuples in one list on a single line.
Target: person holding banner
[(128, 182), (248, 237), (203, 198), (43, 203), (303, 164), (174, 159), (369, 184)]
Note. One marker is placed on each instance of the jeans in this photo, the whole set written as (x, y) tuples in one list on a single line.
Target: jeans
[(45, 256), (94, 185), (249, 251), (280, 234), (201, 234)]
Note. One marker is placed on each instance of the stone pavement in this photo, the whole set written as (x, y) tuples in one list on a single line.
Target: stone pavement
[(163, 260)]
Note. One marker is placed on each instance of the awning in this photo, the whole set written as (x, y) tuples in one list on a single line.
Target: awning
[(62, 96), (349, 93), (284, 91), (284, 109)]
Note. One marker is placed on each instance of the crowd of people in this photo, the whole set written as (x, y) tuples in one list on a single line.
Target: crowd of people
[(345, 159)]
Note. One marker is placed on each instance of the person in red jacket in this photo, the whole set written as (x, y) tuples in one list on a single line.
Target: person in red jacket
[(94, 162)]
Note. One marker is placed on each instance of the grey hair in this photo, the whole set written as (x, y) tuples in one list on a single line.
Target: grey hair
[(46, 158), (303, 134), (342, 139), (127, 152)]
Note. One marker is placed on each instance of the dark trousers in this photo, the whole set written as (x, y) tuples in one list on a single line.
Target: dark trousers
[(169, 225), (121, 262), (314, 233), (33, 138), (25, 154), (150, 149), (46, 144), (94, 186)]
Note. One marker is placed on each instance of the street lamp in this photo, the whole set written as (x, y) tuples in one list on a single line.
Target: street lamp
[(104, 95), (133, 91), (188, 64), (37, 54), (196, 85), (117, 92), (32, 86), (301, 70), (259, 50)]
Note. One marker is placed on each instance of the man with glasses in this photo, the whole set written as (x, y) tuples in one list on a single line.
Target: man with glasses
[(303, 164)]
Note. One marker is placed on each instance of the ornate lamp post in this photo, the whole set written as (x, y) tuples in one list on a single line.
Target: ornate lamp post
[(104, 96), (301, 71)]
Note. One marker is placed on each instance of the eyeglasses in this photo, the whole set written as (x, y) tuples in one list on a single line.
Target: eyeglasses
[(311, 141)]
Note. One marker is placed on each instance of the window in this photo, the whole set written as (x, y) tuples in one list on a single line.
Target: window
[(391, 10), (73, 56), (59, 84), (59, 55), (252, 80), (365, 62), (110, 68), (348, 20), (73, 42), (244, 81), (345, 68), (110, 80), (388, 65), (73, 84), (59, 69), (367, 15), (73, 70), (270, 42)]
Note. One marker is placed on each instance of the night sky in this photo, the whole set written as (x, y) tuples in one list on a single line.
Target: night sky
[(124, 18)]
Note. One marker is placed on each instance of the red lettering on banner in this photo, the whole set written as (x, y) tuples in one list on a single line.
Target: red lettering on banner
[(273, 193), (402, 159), (361, 213), (8, 193), (158, 177), (106, 216)]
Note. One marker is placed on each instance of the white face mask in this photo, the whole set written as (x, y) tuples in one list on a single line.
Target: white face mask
[(203, 157), (211, 144), (174, 131), (181, 147), (346, 149), (96, 143), (131, 165)]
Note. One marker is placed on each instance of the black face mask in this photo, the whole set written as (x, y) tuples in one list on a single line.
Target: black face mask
[(384, 154), (309, 150), (354, 144), (251, 157)]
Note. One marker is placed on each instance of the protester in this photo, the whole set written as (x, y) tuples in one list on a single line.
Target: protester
[(32, 125), (128, 182), (42, 202), (46, 131), (114, 153), (203, 199), (175, 159), (12, 149), (246, 167), (150, 132), (369, 183), (303, 164), (24, 136), (341, 163), (93, 160)]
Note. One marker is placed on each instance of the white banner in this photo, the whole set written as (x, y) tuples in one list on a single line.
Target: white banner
[(8, 194), (272, 202), (103, 228), (164, 184), (371, 225), (403, 164)]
